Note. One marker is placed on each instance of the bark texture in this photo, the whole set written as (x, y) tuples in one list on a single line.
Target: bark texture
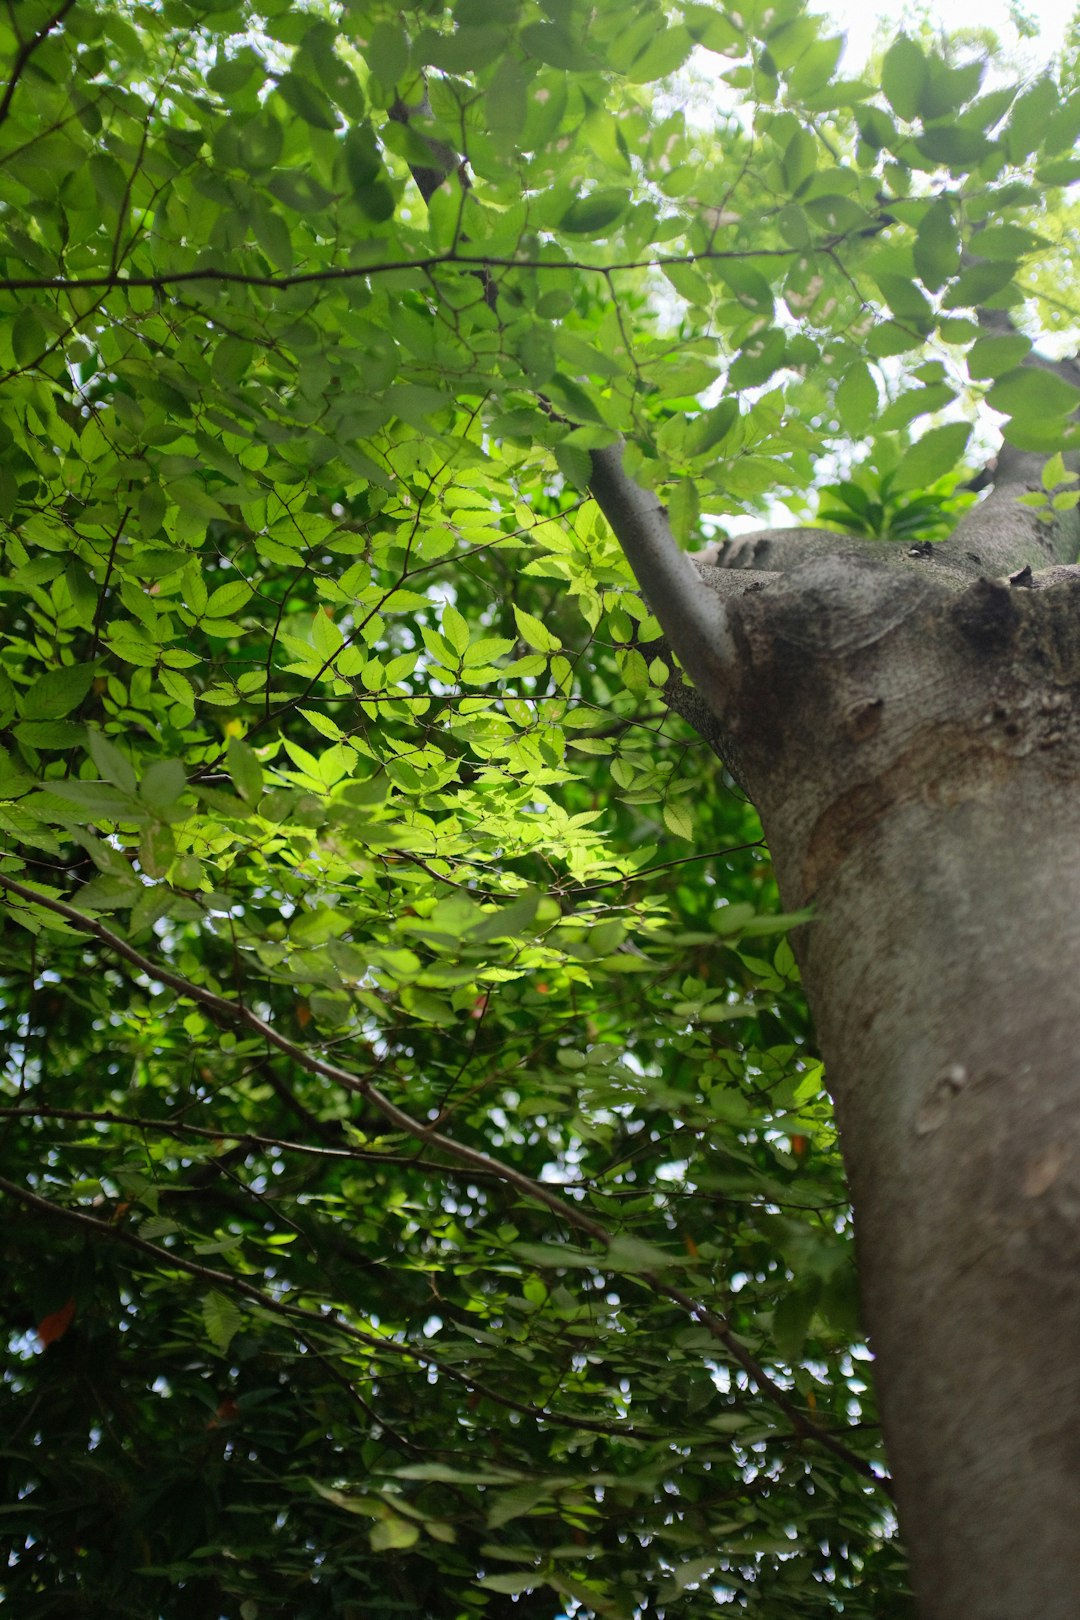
[(915, 755), (910, 733)]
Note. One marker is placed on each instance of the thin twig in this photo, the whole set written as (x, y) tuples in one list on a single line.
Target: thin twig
[(27, 51)]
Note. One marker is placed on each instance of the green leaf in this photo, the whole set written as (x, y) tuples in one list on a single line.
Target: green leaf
[(632, 1254), (157, 849), (58, 692), (393, 1534), (556, 46), (1006, 242), (709, 429), (28, 337), (666, 51), (1035, 392), (114, 766), (937, 246), (677, 820), (904, 77), (955, 145), (993, 356), (245, 770), (1055, 472), (161, 786), (305, 98), (534, 633), (60, 734), (916, 402), (527, 1581), (857, 399), (222, 1319), (932, 456), (758, 359), (1028, 119), (978, 283), (455, 628), (904, 298), (228, 599), (595, 213), (574, 464), (387, 52)]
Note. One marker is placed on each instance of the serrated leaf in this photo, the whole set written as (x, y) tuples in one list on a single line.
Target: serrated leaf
[(709, 429), (575, 464), (511, 1504), (634, 671), (1007, 242), (630, 1254), (58, 692), (323, 724), (62, 734), (1026, 128), (177, 686), (757, 360), (512, 1584), (228, 599), (1055, 472), (222, 1319), (677, 820), (533, 633), (305, 98), (157, 849), (684, 512), (455, 628)]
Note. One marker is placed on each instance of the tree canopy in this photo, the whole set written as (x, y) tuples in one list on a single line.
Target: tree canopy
[(420, 1191)]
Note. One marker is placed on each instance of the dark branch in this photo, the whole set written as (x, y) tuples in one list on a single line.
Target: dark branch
[(26, 52), (351, 272)]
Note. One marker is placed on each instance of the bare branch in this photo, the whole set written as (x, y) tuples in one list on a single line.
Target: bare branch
[(691, 617), (352, 272)]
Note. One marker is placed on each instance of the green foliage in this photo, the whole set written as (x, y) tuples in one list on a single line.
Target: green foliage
[(419, 1186)]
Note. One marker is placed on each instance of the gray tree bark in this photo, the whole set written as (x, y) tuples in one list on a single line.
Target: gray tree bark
[(909, 729)]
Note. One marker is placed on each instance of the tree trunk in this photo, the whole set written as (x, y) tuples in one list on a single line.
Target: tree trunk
[(915, 757), (908, 730)]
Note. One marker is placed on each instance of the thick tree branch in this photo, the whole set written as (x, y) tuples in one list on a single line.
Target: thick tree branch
[(1005, 537)]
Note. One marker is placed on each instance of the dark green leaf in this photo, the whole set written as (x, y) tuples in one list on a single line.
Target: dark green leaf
[(588, 216)]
